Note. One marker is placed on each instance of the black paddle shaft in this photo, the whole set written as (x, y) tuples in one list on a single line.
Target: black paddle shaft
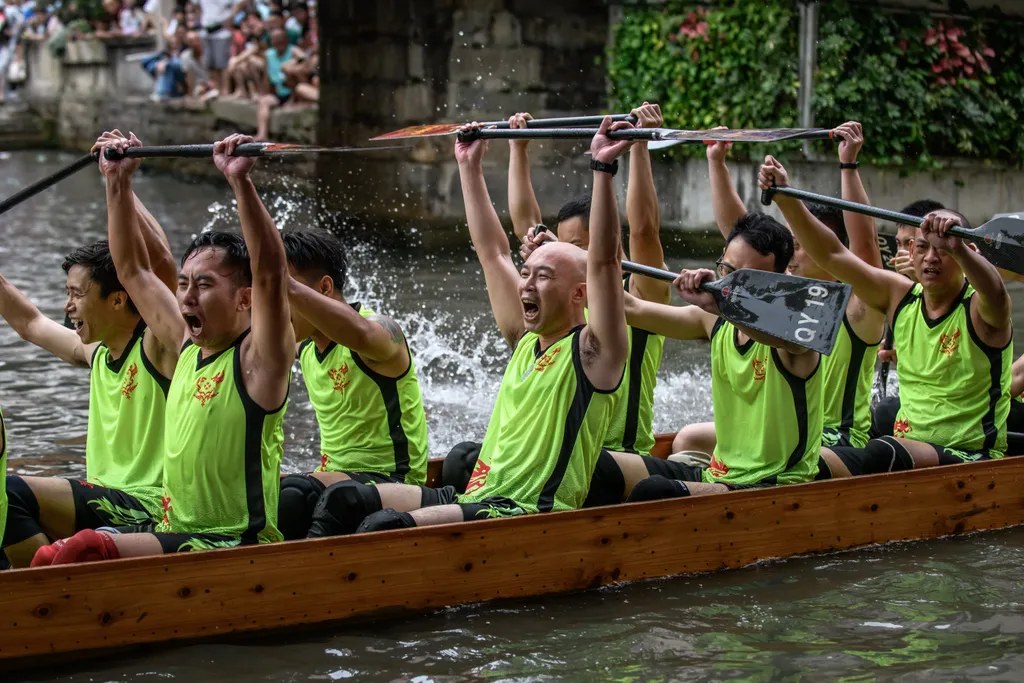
[(45, 183), (566, 121), (249, 149), (1000, 240)]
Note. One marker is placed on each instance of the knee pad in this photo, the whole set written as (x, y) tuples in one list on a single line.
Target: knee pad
[(342, 508), (887, 454), (657, 487), (385, 520), (298, 499), (606, 483), (22, 512), (458, 465)]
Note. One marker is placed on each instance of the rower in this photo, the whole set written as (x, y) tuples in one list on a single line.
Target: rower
[(559, 391), (227, 399), (632, 429), (128, 383), (361, 380), (952, 334), (883, 415), (849, 370), (766, 392)]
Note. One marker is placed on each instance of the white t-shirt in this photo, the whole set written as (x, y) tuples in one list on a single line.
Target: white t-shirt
[(130, 21), (151, 7), (214, 12)]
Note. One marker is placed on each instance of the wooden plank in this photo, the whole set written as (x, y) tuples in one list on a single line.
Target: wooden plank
[(188, 596)]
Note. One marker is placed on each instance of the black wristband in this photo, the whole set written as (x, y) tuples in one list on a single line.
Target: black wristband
[(611, 168), (845, 165)]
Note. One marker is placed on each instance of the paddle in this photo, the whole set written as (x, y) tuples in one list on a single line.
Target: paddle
[(1001, 240), (883, 371), (799, 310), (728, 134), (249, 149), (47, 182), (433, 129)]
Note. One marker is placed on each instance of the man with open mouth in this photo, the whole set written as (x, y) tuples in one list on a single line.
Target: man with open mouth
[(128, 382), (230, 323)]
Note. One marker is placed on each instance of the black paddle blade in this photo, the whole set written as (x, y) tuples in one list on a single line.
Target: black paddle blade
[(799, 310), (1001, 241)]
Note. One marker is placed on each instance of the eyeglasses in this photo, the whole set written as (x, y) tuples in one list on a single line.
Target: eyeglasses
[(723, 268)]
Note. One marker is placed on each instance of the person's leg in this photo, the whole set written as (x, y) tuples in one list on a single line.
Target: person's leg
[(658, 487), (343, 506), (305, 92), (458, 465), (39, 508), (266, 104), (607, 483), (447, 512), (696, 437)]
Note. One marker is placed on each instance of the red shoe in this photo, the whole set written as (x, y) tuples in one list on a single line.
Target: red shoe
[(87, 546), (44, 556)]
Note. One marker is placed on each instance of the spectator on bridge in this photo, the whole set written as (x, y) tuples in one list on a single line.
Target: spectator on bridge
[(197, 77), (131, 19), (284, 88), (246, 72)]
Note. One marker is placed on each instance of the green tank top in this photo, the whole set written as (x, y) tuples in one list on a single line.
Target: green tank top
[(368, 422), (546, 430), (3, 471), (954, 389), (632, 426), (767, 421), (124, 446), (223, 463), (848, 375)]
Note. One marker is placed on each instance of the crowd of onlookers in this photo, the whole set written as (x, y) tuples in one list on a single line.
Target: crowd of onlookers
[(261, 50)]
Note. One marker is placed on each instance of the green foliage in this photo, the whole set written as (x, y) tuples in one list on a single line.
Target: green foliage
[(922, 87)]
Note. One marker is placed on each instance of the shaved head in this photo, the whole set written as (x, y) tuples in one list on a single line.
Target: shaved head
[(562, 256)]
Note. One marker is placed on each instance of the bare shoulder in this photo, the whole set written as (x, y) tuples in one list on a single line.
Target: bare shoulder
[(389, 324)]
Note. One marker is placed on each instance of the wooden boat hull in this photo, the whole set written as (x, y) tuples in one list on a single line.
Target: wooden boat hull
[(78, 609)]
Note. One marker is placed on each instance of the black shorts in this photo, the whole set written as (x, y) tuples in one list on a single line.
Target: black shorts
[(97, 506), (832, 437), (181, 542), (691, 473), (861, 461), (490, 508)]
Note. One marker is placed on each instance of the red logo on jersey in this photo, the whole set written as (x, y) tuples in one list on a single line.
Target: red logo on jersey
[(206, 389), (948, 344), (901, 428), (717, 467), (323, 463), (166, 502), (758, 370), (547, 360), (476, 482), (338, 376), (130, 385)]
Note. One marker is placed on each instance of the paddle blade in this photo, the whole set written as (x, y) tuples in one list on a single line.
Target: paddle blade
[(1001, 241), (421, 131), (749, 135), (798, 310)]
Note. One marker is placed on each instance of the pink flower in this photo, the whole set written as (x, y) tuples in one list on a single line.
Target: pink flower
[(952, 81), (929, 38), (962, 50), (941, 80), (942, 48), (936, 68), (988, 52), (985, 67)]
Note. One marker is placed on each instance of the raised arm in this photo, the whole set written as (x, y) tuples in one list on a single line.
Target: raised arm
[(270, 349), (991, 300), (522, 202), (643, 214), (879, 289), (677, 322), (156, 303), (604, 341), (32, 326), (492, 248), (377, 338), (725, 200), (159, 249), (860, 229)]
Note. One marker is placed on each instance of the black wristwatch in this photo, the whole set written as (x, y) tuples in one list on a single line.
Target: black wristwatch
[(612, 168), (845, 165)]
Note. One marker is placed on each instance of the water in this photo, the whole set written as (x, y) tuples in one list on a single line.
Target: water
[(948, 609)]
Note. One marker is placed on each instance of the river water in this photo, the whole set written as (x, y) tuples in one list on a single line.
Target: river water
[(941, 610)]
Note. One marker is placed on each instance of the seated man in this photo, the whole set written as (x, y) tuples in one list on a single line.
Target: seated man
[(767, 393), (231, 328), (129, 374), (558, 394), (361, 380), (952, 334)]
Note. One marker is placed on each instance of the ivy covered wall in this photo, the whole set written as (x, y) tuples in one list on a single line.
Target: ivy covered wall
[(925, 87)]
